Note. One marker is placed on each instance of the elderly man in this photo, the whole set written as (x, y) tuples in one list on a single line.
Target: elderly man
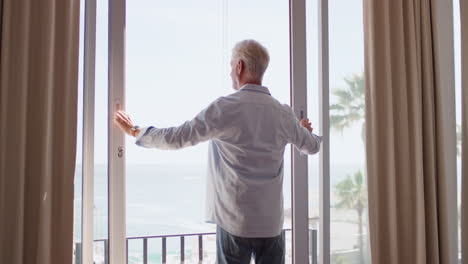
[(248, 131)]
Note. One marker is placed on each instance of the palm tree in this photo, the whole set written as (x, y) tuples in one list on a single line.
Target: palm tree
[(350, 106), (352, 194), (348, 110)]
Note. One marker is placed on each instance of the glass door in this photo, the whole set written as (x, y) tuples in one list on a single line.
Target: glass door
[(177, 62)]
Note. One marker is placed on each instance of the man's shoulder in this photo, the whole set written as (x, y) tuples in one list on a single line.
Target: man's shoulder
[(236, 98), (224, 100), (221, 105), (285, 108)]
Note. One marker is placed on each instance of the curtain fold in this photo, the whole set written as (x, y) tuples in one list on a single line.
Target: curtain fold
[(38, 97), (464, 182), (410, 126)]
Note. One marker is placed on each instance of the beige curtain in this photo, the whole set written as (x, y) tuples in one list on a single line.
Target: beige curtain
[(38, 93), (410, 135), (464, 66)]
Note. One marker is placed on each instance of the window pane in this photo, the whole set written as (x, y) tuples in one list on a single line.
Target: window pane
[(349, 240), (177, 62)]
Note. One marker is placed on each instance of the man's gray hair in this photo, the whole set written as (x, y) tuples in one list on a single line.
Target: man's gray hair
[(254, 56)]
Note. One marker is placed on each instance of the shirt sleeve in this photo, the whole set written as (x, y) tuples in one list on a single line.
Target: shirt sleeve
[(306, 142), (203, 127)]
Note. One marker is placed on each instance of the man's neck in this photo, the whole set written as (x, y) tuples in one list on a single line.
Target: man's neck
[(241, 84)]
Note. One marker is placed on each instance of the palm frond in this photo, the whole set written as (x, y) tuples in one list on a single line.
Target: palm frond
[(344, 96), (337, 107), (350, 105), (351, 192)]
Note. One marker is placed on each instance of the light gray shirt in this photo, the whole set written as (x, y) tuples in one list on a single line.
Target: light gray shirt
[(248, 132)]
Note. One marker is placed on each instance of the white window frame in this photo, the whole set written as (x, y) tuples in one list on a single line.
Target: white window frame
[(324, 119), (88, 131), (116, 152), (298, 79), (116, 143)]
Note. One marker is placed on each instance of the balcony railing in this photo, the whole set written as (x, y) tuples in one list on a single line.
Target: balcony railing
[(312, 246)]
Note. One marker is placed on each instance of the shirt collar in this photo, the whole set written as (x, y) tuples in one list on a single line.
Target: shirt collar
[(255, 88)]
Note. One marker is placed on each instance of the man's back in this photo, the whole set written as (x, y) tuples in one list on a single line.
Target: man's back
[(254, 132), (245, 172)]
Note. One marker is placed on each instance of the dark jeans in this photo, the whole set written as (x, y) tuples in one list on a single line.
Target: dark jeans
[(232, 249)]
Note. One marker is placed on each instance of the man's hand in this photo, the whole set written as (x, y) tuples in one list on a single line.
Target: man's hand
[(305, 123), (125, 123)]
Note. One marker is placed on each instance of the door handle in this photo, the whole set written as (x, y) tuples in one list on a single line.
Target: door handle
[(120, 151)]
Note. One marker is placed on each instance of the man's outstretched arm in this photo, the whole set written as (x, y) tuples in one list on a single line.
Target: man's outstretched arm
[(203, 127)]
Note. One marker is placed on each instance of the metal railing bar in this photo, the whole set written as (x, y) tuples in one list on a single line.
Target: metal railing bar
[(313, 246), (173, 235), (200, 248), (145, 251), (106, 251), (178, 235), (126, 252), (182, 249), (163, 250)]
